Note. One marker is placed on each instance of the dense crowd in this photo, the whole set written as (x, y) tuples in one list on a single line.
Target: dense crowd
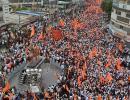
[(93, 61)]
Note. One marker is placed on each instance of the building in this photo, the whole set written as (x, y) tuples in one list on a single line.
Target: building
[(1, 13), (120, 19), (4, 10), (25, 3), (69, 4)]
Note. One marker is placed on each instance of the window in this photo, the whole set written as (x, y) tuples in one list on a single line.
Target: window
[(118, 12), (121, 27), (124, 6), (123, 19), (128, 33), (112, 10), (112, 23), (0, 8), (128, 2), (128, 15)]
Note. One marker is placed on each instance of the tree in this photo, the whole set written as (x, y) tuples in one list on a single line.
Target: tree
[(106, 6), (23, 8)]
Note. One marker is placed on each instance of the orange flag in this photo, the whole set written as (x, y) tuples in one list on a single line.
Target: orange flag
[(90, 55), (75, 24), (83, 74), (99, 97), (61, 22), (46, 94), (56, 34), (118, 64), (41, 36), (94, 51), (32, 31), (7, 86), (75, 97), (129, 78), (101, 79), (98, 10), (109, 77), (79, 81), (99, 62), (108, 64), (50, 27)]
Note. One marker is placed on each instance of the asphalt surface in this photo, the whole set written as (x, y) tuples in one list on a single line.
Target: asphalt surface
[(49, 75)]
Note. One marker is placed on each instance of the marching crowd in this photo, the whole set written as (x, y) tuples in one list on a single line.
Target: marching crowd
[(91, 59)]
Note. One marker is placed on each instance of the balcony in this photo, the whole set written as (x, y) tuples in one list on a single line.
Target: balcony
[(122, 6)]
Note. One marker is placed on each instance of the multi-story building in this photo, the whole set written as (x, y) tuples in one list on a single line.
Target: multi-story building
[(120, 19), (4, 10), (25, 3), (68, 5), (1, 12)]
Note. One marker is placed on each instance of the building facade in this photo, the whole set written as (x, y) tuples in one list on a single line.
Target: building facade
[(4, 10), (120, 19), (1, 12)]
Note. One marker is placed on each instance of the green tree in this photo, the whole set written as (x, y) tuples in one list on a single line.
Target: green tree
[(106, 6), (23, 8)]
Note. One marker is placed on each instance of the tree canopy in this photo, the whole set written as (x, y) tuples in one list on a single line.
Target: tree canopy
[(106, 6)]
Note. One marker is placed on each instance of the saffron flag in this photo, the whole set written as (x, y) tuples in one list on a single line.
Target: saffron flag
[(98, 1), (32, 31), (46, 94), (118, 64), (98, 10), (75, 97), (61, 22), (83, 74), (79, 81), (99, 97), (108, 77), (56, 34), (49, 27), (90, 55), (41, 36), (7, 86), (129, 78), (75, 24), (108, 64), (94, 51), (101, 79)]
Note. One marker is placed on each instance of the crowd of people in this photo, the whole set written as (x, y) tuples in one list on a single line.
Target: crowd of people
[(91, 58)]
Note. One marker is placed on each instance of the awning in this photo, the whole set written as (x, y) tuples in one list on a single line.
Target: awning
[(119, 34)]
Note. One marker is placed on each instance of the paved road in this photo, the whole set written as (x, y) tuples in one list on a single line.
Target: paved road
[(50, 74), (14, 76)]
